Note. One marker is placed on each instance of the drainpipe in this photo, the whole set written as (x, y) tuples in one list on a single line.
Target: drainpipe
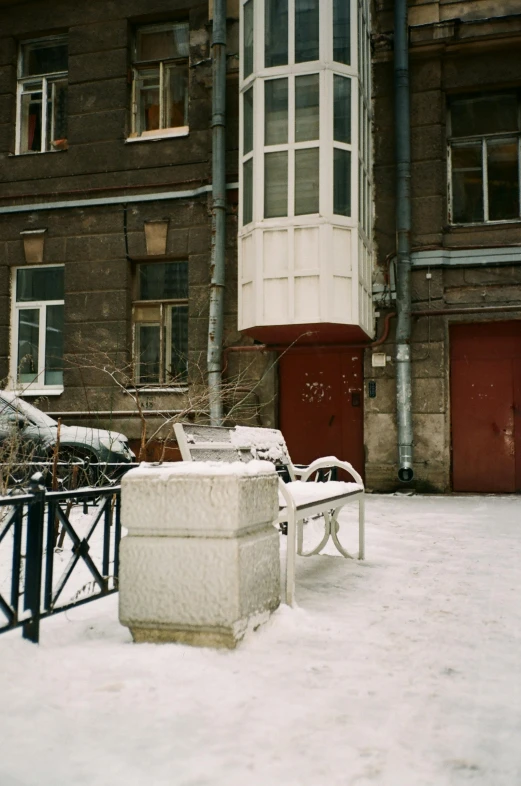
[(218, 243), (403, 243)]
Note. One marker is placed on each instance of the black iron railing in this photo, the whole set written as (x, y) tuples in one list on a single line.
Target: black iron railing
[(81, 526)]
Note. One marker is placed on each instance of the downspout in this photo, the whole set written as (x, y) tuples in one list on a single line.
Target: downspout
[(218, 243), (403, 242)]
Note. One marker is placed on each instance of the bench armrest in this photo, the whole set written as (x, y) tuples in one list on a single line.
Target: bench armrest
[(331, 461), (288, 499)]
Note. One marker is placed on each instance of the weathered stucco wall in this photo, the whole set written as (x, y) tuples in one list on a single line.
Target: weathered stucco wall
[(99, 259), (445, 60)]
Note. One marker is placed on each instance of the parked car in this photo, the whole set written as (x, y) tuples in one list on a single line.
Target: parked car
[(28, 440)]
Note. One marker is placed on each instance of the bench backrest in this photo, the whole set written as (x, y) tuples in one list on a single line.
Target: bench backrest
[(236, 443)]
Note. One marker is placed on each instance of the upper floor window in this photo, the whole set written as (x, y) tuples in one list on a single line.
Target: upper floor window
[(37, 327), (484, 139), (160, 80), (42, 96), (161, 323)]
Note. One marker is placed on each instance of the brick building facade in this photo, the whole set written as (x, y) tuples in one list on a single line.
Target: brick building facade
[(105, 223)]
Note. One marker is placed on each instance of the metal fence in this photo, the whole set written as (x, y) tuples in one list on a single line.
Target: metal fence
[(82, 526)]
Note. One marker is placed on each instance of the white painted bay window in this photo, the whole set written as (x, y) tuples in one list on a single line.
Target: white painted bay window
[(42, 96), (160, 81), (37, 328), (161, 323), (306, 162)]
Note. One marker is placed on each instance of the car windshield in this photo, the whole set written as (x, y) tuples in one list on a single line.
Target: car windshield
[(33, 415)]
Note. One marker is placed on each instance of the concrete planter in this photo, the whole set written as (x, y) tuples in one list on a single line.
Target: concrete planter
[(200, 563)]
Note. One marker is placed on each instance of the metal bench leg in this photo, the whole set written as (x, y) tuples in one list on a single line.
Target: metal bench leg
[(361, 528), (300, 536), (333, 528), (290, 560)]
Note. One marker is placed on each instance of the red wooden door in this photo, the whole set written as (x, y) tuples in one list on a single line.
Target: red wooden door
[(486, 407), (321, 405)]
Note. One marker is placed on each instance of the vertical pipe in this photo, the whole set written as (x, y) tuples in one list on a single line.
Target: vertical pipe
[(218, 243), (403, 242)]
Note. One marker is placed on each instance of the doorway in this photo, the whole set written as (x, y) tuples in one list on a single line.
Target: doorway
[(486, 407), (321, 405)]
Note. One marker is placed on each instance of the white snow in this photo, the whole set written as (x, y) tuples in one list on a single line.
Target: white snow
[(404, 670), (178, 468), (304, 492), (265, 443)]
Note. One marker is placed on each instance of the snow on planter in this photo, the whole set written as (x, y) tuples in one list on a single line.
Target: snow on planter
[(200, 563)]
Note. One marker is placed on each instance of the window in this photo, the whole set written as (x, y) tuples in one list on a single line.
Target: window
[(484, 158), (294, 125), (161, 323), (42, 96), (160, 81), (37, 328)]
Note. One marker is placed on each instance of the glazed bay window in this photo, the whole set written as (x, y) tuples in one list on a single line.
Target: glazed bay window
[(484, 158), (42, 96), (161, 323), (37, 327), (160, 81), (305, 252)]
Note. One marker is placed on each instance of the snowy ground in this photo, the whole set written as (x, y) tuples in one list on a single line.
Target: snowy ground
[(401, 671)]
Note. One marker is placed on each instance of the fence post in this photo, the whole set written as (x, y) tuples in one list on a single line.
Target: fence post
[(33, 558)]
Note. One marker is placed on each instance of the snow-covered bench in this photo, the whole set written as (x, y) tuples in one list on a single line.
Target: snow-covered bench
[(298, 499)]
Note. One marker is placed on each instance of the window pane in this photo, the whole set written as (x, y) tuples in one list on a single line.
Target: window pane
[(148, 347), (39, 283), (57, 116), (248, 38), (275, 185), (163, 281), (276, 112), (276, 32), (503, 180), (484, 115), (177, 353), (28, 344), (342, 109), (31, 125), (306, 30), (467, 184), (176, 96), (306, 181), (148, 100), (54, 346), (248, 121), (342, 182), (307, 108), (341, 32), (247, 192), (44, 58), (162, 44)]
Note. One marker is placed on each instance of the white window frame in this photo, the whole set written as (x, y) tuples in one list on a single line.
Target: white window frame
[(326, 69), (163, 66), (38, 387), (483, 139), (165, 335), (47, 83)]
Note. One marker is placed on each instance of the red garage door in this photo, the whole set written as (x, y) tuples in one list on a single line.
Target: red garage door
[(321, 405), (486, 406)]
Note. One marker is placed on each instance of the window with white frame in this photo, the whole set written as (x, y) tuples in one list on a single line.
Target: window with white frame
[(37, 327), (160, 80), (288, 119), (42, 95), (161, 323), (484, 139)]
